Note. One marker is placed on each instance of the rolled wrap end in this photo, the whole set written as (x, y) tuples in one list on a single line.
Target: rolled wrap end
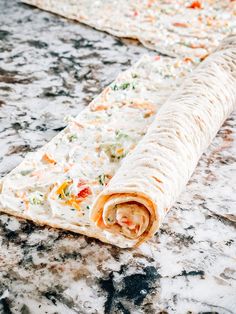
[(129, 215)]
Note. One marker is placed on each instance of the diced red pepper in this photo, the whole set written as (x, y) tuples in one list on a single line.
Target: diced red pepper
[(84, 192), (195, 5)]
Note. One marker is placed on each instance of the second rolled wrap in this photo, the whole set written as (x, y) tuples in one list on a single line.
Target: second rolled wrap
[(152, 176)]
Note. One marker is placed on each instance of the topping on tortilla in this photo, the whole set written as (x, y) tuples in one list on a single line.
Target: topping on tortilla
[(47, 158), (195, 5)]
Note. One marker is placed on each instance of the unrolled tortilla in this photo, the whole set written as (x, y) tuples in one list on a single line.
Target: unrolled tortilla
[(186, 28), (152, 176)]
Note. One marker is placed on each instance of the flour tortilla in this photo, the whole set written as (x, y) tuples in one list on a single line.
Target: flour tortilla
[(170, 27), (153, 175), (88, 152)]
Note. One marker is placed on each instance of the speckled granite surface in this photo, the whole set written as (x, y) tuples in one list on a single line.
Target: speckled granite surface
[(50, 68)]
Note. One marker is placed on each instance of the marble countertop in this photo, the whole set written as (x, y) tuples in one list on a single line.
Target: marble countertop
[(50, 68)]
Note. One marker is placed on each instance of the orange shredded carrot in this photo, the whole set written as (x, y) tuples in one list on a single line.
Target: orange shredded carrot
[(150, 108), (119, 151), (188, 59), (197, 46), (73, 202), (143, 105), (26, 202), (62, 187), (179, 24), (48, 159), (99, 107)]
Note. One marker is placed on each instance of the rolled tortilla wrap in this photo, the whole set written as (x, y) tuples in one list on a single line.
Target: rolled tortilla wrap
[(153, 175)]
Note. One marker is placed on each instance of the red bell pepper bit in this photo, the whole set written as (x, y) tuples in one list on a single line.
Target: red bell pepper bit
[(84, 192), (195, 5)]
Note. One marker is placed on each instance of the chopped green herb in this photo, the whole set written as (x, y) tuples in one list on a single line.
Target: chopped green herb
[(101, 179), (134, 75), (120, 135), (164, 11), (114, 87), (36, 199), (114, 151), (118, 157), (72, 137), (72, 209), (123, 86), (87, 207), (66, 192)]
